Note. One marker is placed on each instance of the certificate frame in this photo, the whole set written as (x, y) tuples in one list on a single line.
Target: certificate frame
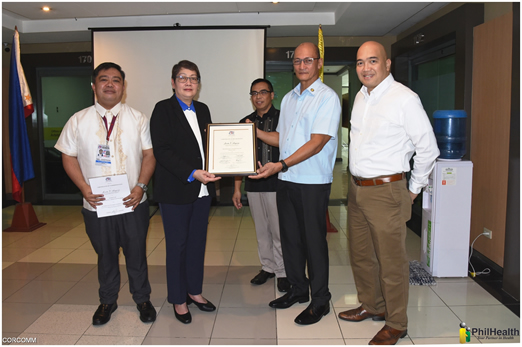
[(231, 149)]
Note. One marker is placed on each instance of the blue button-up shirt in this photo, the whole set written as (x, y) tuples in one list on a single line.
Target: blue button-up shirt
[(316, 110)]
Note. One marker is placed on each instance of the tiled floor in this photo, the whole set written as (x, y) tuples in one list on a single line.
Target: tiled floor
[(50, 291)]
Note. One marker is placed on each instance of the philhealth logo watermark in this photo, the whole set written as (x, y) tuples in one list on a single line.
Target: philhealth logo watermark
[(466, 332)]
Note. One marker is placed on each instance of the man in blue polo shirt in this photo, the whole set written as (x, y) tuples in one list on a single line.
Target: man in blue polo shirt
[(307, 140)]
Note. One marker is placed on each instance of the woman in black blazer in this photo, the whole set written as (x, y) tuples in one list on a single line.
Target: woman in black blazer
[(183, 188)]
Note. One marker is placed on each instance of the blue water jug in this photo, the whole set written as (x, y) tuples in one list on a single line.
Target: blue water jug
[(450, 131)]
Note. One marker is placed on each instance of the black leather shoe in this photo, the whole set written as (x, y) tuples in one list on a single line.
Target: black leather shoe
[(147, 312), (207, 307), (262, 277), (183, 318), (288, 300), (312, 314), (283, 285), (103, 313)]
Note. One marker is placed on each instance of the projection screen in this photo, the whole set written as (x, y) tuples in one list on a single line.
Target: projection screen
[(229, 59)]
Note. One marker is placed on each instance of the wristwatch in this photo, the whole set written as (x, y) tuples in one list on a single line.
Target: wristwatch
[(143, 186), (285, 167)]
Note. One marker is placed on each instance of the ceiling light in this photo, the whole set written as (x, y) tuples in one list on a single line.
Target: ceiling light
[(46, 9)]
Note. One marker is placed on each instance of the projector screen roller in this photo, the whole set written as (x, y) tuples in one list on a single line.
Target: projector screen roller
[(228, 60)]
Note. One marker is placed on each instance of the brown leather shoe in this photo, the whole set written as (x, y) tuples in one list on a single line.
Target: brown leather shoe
[(388, 336), (359, 314)]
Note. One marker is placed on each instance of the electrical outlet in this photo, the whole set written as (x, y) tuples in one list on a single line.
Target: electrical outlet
[(488, 233)]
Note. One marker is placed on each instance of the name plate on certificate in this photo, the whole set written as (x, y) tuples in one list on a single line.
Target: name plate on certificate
[(231, 149)]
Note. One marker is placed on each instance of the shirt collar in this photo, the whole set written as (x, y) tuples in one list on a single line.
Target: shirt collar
[(102, 111), (268, 113), (314, 87), (184, 106), (379, 90)]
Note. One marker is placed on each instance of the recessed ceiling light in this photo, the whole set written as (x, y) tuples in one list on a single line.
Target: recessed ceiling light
[(46, 9)]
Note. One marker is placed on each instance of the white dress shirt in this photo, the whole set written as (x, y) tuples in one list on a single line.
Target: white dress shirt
[(85, 130), (193, 121), (387, 127)]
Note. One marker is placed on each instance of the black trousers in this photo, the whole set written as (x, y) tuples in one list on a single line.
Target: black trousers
[(107, 235), (302, 220), (185, 229)]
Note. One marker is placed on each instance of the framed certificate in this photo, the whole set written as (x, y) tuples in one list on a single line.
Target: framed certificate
[(231, 149)]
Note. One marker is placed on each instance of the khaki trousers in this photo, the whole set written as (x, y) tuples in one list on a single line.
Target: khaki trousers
[(377, 217)]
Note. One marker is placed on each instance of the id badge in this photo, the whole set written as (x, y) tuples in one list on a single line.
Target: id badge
[(103, 155)]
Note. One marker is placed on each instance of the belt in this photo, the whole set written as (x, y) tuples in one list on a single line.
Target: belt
[(377, 181)]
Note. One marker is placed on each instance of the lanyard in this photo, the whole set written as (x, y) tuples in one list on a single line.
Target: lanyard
[(109, 129)]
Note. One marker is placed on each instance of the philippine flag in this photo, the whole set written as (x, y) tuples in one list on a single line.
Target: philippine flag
[(20, 106)]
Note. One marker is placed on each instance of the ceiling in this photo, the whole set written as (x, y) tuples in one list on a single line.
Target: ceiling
[(70, 21)]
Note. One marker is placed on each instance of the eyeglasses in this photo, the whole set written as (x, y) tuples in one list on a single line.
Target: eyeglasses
[(263, 92), (306, 61), (185, 79)]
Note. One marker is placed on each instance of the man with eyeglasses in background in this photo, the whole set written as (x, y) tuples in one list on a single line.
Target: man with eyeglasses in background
[(307, 140), (262, 193)]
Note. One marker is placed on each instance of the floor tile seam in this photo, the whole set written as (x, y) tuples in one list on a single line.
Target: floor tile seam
[(337, 318), (219, 304), (155, 248), (43, 313), (87, 273), (234, 248), (30, 262), (52, 334), (74, 249), (7, 245), (452, 335), (456, 315), (4, 300), (111, 335), (256, 307), (440, 297), (276, 325), (481, 305), (316, 338), (65, 293)]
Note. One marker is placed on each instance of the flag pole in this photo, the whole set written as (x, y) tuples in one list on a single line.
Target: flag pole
[(320, 44)]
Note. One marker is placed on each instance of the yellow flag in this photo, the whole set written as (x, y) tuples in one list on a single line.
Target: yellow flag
[(320, 44)]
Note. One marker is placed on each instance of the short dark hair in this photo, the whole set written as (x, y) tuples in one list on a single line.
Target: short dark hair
[(185, 64), (107, 66), (259, 80)]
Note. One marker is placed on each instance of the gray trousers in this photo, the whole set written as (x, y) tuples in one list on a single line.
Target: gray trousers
[(263, 207), (107, 235)]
